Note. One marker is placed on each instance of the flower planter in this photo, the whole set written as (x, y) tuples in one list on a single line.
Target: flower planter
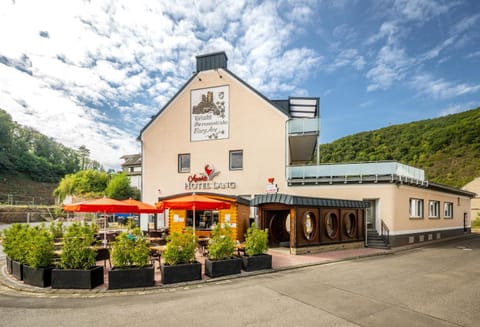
[(77, 278), (9, 264), (256, 262), (131, 277), (217, 268), (41, 277), (17, 269), (181, 273)]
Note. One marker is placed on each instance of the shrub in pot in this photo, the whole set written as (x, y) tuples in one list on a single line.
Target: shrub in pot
[(77, 260), (15, 246), (256, 246), (179, 264), (37, 270), (131, 265), (220, 261)]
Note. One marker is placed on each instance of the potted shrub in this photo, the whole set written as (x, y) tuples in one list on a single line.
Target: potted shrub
[(15, 246), (179, 263), (131, 265), (37, 270), (220, 261), (77, 260), (256, 246)]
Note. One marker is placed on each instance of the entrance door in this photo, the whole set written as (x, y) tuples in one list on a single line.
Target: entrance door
[(371, 214), (276, 223), (465, 221)]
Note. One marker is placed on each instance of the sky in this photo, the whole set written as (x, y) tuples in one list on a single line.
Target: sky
[(94, 72)]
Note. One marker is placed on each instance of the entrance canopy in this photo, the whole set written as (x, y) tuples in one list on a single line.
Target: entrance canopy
[(294, 200)]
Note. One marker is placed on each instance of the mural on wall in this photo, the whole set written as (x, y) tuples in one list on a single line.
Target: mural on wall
[(209, 114)]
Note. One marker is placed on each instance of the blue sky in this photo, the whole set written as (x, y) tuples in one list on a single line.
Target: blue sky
[(94, 72)]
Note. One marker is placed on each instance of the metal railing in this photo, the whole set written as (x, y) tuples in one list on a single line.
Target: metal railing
[(359, 170), (385, 233)]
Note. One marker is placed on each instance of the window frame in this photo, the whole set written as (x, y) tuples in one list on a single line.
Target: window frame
[(434, 205), (450, 206), (180, 167), (419, 209), (230, 159)]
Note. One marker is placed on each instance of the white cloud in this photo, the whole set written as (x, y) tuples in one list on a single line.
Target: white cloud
[(441, 89), (456, 108), (391, 65), (347, 57), (103, 68), (421, 10)]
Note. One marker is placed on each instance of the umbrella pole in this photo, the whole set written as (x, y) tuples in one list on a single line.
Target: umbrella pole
[(105, 230)]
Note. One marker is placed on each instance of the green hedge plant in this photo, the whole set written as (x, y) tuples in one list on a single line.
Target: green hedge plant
[(77, 252), (180, 248), (256, 241), (221, 245), (130, 249), (41, 247), (15, 242)]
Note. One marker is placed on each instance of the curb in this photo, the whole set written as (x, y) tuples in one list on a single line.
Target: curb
[(11, 286)]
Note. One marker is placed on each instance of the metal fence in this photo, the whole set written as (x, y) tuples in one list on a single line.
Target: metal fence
[(18, 199)]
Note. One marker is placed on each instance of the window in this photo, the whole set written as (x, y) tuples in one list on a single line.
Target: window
[(434, 209), (448, 210), (416, 208), (203, 219), (236, 160), (184, 163)]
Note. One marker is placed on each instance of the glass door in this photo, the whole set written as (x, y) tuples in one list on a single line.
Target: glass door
[(371, 214)]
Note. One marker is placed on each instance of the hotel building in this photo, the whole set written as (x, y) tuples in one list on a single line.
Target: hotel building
[(220, 137)]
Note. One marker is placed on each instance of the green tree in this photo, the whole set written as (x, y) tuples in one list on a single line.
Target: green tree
[(119, 187)]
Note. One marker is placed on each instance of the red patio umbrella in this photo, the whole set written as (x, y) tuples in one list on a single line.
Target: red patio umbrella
[(193, 202), (105, 205), (142, 206)]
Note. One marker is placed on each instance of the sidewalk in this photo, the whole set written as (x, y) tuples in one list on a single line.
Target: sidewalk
[(281, 260)]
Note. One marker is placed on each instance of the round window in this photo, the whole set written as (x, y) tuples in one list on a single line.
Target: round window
[(349, 221), (331, 225), (309, 225), (287, 224)]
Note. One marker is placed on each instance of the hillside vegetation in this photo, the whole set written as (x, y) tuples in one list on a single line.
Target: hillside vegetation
[(32, 164), (447, 148)]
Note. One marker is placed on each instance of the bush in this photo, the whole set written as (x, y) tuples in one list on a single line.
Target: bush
[(40, 247), (56, 228), (130, 249), (78, 252), (221, 244), (256, 241), (476, 222), (180, 248), (15, 242)]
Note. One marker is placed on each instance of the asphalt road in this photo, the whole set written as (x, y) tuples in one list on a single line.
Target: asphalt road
[(437, 285)]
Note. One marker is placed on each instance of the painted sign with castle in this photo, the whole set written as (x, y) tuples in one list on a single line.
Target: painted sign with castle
[(209, 114)]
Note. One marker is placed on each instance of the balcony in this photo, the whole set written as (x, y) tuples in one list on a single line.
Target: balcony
[(355, 173), (302, 138)]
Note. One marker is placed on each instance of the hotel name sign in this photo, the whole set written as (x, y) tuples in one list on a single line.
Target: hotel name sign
[(204, 181)]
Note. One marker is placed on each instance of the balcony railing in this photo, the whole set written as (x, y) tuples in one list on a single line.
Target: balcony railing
[(357, 172), (303, 125)]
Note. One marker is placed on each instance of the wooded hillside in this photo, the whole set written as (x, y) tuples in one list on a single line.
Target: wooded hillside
[(447, 148)]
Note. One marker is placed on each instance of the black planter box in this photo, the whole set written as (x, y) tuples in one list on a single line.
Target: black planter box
[(256, 262), (131, 277), (181, 273), (77, 278), (217, 268), (17, 270), (9, 265), (41, 277)]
